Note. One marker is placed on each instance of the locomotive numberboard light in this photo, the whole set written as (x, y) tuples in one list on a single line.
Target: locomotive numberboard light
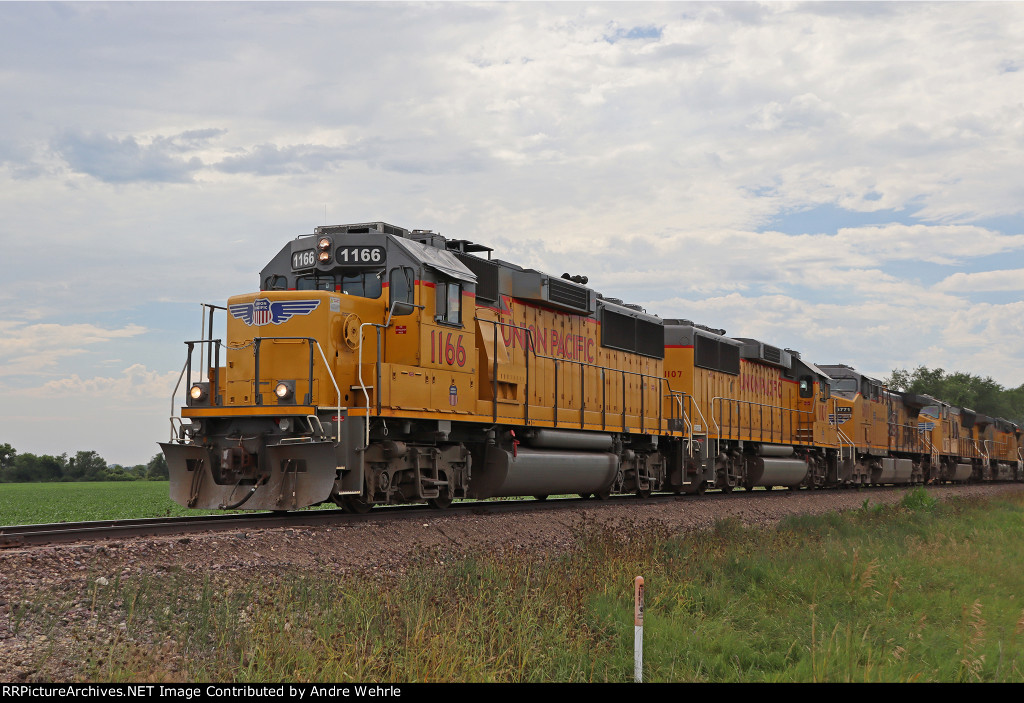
[(324, 246)]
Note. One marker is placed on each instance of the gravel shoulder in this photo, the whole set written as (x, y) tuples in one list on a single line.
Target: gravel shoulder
[(381, 547)]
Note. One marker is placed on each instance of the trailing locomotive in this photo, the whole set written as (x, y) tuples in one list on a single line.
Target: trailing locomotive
[(382, 365)]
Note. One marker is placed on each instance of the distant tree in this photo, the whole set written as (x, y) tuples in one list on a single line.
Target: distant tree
[(156, 469), (7, 454), (27, 468), (20, 469), (962, 389), (86, 466), (116, 472), (898, 380), (51, 468)]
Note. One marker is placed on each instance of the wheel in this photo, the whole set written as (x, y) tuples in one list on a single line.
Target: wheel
[(603, 495), (643, 493), (543, 497), (355, 504), (585, 496), (441, 502), (697, 490), (727, 489)]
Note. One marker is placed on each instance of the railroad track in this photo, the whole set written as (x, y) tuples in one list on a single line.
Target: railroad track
[(68, 532)]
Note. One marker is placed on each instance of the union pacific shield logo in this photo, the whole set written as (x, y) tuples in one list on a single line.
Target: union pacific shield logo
[(263, 312)]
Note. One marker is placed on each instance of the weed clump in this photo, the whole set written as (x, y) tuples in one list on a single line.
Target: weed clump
[(918, 499)]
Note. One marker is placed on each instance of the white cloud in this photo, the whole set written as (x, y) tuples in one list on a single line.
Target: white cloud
[(134, 383), (122, 416), (1012, 279), (39, 348)]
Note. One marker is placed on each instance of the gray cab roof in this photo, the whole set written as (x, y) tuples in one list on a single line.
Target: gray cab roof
[(440, 260)]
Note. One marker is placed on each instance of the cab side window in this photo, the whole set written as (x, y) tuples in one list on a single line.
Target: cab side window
[(449, 303), (402, 285), (806, 387)]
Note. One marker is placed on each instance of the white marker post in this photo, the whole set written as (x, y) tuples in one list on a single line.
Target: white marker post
[(638, 629)]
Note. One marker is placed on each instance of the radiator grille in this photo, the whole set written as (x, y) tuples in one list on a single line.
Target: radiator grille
[(567, 294)]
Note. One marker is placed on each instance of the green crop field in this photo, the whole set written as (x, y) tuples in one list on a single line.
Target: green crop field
[(31, 503)]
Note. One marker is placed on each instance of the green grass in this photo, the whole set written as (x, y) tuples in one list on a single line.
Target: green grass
[(923, 591), (30, 503), (35, 503)]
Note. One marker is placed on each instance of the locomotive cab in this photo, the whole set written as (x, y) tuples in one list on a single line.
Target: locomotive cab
[(340, 313)]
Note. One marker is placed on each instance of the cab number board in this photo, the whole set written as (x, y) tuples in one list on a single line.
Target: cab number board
[(305, 259), (359, 256)]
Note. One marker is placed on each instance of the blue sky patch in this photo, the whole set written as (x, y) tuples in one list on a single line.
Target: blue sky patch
[(649, 32), (829, 219)]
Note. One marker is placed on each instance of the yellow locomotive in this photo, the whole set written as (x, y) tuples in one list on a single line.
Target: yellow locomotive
[(382, 365)]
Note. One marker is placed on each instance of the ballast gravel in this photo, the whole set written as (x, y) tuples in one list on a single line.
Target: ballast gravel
[(36, 646)]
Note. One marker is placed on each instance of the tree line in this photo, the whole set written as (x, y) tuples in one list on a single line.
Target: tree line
[(965, 390), (83, 466)]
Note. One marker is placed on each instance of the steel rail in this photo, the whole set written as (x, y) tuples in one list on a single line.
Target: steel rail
[(13, 536)]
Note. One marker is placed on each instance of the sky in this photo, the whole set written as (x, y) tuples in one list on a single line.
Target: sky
[(843, 179)]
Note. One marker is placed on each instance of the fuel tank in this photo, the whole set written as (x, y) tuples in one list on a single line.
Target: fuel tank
[(529, 471), (768, 471)]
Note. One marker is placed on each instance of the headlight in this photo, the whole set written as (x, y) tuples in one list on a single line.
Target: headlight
[(284, 390), (324, 243), (199, 392), (324, 256)]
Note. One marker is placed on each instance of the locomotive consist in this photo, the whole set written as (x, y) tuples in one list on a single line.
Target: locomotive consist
[(381, 365)]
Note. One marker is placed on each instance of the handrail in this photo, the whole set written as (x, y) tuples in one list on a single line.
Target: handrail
[(981, 449), (309, 396), (932, 449), (359, 366), (531, 347), (494, 367), (174, 394), (257, 396), (790, 411), (359, 371), (844, 438), (337, 391), (694, 406)]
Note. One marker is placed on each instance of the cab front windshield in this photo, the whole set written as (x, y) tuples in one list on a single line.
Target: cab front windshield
[(365, 284), (844, 385)]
